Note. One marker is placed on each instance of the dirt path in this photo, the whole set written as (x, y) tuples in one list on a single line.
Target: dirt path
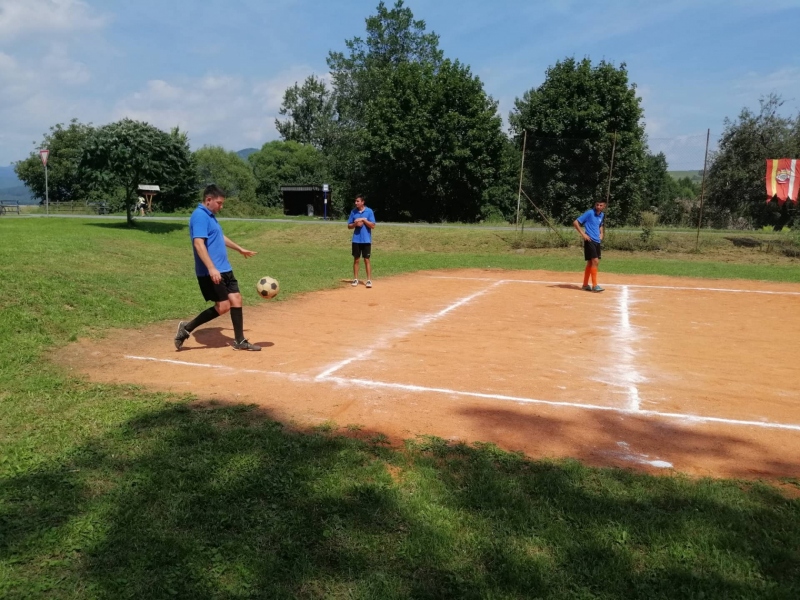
[(655, 373)]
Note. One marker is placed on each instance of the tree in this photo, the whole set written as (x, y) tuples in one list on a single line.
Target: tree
[(310, 114), (572, 120), (65, 144), (414, 131), (216, 165), (128, 153), (433, 144), (736, 190), (285, 163)]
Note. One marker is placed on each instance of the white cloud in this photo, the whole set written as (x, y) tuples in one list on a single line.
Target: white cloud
[(230, 111), (21, 18), (784, 81)]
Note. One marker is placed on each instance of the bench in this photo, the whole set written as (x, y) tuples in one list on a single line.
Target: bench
[(8, 208)]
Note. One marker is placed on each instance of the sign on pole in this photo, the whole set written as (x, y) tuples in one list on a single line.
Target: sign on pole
[(44, 153)]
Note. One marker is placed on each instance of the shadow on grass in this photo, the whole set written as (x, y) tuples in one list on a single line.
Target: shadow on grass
[(222, 502), (157, 227)]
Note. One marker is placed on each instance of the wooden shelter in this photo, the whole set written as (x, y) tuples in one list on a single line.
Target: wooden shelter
[(148, 191)]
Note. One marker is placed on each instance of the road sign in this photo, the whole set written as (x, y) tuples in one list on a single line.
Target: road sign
[(324, 187), (44, 153)]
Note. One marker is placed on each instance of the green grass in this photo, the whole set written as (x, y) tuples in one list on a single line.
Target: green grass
[(118, 492)]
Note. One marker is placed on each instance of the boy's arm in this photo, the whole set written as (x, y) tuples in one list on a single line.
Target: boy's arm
[(576, 224), (602, 231), (202, 252), (234, 246)]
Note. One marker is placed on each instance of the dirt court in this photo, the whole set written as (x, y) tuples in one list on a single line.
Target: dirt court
[(656, 373)]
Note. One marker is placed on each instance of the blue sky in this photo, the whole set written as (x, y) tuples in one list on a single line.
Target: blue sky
[(219, 68)]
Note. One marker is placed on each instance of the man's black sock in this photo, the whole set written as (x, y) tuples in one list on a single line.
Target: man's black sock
[(207, 315), (238, 323)]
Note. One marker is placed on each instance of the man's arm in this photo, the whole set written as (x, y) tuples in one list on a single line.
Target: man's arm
[(577, 227), (367, 222), (234, 246), (202, 252), (602, 231)]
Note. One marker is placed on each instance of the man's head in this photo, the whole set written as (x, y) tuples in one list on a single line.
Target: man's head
[(599, 206), (359, 202), (213, 198)]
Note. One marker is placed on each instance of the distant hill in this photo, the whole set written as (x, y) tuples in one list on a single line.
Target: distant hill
[(12, 189), (695, 176), (8, 178), (243, 154)]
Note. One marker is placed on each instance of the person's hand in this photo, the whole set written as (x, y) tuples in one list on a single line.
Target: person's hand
[(247, 253), (215, 276), (587, 238), (359, 222)]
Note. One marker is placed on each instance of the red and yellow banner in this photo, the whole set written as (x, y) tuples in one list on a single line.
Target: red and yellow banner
[(783, 179)]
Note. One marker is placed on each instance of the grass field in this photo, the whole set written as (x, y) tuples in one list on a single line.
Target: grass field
[(119, 492)]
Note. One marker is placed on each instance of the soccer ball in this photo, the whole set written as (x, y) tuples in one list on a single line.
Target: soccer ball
[(267, 287)]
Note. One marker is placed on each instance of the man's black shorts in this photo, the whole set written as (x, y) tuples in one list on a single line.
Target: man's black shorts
[(360, 250), (591, 250), (218, 292)]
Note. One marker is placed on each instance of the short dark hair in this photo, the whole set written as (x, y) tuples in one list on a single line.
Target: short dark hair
[(213, 191), (360, 196)]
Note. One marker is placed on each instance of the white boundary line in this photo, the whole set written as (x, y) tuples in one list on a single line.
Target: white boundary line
[(501, 397), (624, 373), (399, 333), (630, 285)]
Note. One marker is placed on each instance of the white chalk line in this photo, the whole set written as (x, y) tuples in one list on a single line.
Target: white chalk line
[(384, 341), (623, 338), (630, 285), (501, 397)]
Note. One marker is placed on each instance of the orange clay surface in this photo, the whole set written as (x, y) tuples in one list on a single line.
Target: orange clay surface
[(655, 373)]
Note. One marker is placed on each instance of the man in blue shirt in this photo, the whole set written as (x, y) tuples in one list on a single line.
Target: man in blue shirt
[(214, 272), (593, 221), (362, 222)]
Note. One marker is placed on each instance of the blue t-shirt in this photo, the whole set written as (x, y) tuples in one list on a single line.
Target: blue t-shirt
[(203, 224), (362, 234), (591, 223)]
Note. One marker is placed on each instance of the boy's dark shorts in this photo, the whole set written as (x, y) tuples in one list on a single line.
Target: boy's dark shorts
[(360, 250), (591, 250), (218, 292)]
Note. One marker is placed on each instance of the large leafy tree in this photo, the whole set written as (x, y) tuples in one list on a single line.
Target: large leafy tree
[(433, 143), (572, 120), (415, 131), (64, 183), (310, 114), (736, 190), (217, 165), (285, 163), (129, 153)]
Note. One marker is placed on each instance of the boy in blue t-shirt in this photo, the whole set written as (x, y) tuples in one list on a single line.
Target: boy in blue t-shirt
[(362, 222), (593, 221), (214, 272)]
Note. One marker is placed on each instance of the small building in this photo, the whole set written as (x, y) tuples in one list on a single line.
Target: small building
[(304, 200), (148, 191)]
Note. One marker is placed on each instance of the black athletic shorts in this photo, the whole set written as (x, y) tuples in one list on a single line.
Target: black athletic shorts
[(218, 292), (591, 250), (360, 250)]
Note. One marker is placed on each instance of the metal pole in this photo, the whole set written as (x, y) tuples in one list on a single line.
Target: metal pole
[(611, 168), (702, 192), (521, 167), (46, 192)]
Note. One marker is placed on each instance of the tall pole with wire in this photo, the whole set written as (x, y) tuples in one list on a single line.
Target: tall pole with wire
[(702, 193), (611, 168), (521, 168)]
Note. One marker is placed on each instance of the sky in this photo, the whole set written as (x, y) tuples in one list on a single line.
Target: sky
[(218, 69)]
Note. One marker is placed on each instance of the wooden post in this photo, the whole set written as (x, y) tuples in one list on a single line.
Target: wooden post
[(611, 168), (702, 193), (521, 167)]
